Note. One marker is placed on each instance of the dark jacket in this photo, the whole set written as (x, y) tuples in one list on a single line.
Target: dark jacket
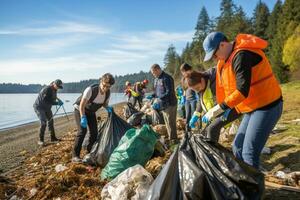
[(164, 90), (46, 98), (92, 107)]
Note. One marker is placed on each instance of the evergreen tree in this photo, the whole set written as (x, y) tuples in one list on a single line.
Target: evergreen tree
[(260, 20), (240, 22), (170, 60), (273, 21), (202, 27), (226, 18), (287, 23)]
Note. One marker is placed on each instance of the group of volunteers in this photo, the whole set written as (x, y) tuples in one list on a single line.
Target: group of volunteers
[(241, 84)]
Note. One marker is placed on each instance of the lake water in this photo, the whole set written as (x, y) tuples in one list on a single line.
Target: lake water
[(16, 109)]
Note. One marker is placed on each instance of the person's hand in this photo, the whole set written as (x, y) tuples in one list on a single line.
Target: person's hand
[(193, 121), (213, 112), (109, 109), (156, 106), (149, 97), (182, 100), (60, 102), (83, 121)]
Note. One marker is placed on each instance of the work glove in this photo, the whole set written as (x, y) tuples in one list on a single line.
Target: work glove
[(194, 119), (149, 97), (83, 121), (182, 100), (109, 109), (156, 106), (213, 112), (60, 102)]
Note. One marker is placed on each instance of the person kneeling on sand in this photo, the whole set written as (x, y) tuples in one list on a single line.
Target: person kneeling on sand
[(93, 98), (42, 107)]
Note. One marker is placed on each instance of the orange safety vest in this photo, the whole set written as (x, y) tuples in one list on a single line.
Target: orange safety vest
[(264, 87)]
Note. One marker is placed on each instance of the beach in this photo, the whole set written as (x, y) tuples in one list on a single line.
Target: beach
[(19, 142)]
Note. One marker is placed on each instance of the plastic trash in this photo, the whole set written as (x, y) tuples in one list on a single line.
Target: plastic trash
[(135, 147), (280, 174), (60, 168), (110, 133), (133, 183), (33, 191), (129, 110), (157, 118), (266, 150)]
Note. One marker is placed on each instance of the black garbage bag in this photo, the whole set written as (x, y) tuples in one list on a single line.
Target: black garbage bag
[(180, 178), (109, 135), (227, 177), (167, 183), (192, 179), (203, 170), (136, 118), (129, 110), (157, 118)]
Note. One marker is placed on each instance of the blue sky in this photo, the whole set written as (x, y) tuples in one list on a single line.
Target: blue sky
[(42, 40)]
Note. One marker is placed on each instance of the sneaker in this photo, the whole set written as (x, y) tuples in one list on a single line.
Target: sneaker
[(41, 143), (76, 159)]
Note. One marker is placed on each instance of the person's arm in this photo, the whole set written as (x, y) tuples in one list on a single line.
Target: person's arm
[(84, 100), (82, 104), (242, 65)]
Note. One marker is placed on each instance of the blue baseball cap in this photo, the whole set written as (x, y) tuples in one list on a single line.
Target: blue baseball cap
[(211, 43)]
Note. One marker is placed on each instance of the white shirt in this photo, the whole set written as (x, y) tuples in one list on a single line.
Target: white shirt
[(87, 94)]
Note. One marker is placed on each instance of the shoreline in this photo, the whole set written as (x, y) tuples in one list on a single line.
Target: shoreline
[(17, 143), (35, 121)]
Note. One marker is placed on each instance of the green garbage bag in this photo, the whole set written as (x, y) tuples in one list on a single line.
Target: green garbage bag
[(135, 147)]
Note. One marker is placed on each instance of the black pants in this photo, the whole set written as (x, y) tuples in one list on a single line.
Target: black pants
[(138, 100), (214, 128), (45, 116), (92, 124)]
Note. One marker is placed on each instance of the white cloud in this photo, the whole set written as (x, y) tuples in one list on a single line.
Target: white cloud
[(48, 45), (59, 28), (151, 41)]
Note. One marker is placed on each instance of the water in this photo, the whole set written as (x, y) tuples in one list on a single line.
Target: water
[(16, 109)]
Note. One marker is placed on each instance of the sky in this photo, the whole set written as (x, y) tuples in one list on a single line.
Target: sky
[(42, 40)]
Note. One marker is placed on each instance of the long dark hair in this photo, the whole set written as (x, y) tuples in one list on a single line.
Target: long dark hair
[(194, 78)]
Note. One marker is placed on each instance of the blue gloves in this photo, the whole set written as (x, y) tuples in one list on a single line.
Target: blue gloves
[(156, 106), (83, 121), (109, 109), (182, 100), (149, 97), (60, 102), (205, 119), (193, 121)]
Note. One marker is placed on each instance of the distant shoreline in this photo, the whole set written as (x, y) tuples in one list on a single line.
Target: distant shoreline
[(18, 142)]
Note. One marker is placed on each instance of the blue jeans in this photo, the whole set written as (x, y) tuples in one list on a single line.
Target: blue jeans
[(253, 134)]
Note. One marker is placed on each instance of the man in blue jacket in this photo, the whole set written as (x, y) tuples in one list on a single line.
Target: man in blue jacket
[(42, 107), (165, 100)]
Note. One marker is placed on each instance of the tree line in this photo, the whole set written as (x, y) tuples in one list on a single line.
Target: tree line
[(78, 87), (280, 27)]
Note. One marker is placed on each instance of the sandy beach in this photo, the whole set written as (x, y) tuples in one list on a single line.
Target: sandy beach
[(19, 142)]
